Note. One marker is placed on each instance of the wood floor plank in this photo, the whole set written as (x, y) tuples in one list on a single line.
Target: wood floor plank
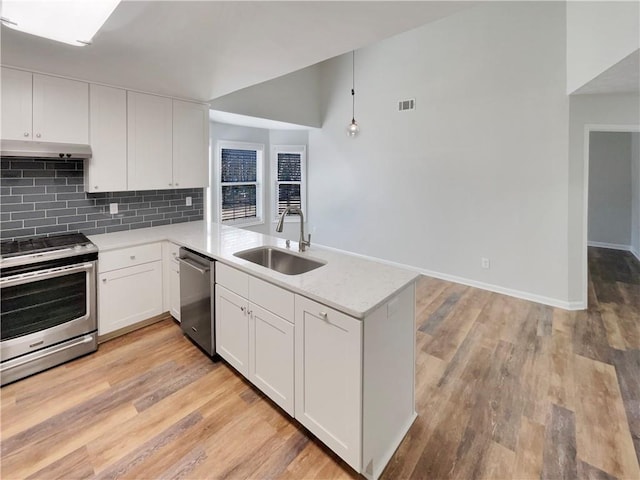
[(529, 451), (561, 389), (603, 436), (111, 447), (559, 458), (75, 465)]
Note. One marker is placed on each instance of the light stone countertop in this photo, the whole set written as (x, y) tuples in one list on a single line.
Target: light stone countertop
[(349, 283)]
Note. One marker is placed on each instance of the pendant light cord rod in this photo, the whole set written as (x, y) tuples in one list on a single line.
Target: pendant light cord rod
[(353, 85)]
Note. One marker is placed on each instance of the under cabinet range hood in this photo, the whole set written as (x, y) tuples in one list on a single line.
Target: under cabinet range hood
[(20, 149)]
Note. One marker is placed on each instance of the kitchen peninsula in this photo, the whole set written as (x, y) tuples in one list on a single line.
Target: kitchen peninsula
[(347, 331)]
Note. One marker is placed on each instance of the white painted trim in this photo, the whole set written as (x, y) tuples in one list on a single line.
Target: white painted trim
[(612, 246), (552, 302), (588, 128), (635, 253)]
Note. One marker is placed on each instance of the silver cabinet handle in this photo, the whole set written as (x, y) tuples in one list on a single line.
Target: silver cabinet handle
[(242, 309), (96, 187), (194, 329), (324, 315), (26, 134), (38, 135), (104, 280), (132, 257)]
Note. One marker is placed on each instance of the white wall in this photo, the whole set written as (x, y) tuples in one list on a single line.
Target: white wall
[(599, 35), (610, 189), (589, 110), (635, 194), (292, 98), (235, 133), (479, 169)]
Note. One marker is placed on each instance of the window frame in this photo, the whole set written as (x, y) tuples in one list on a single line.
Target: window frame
[(259, 183), (296, 149)]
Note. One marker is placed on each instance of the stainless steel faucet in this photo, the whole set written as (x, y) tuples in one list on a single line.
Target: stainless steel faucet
[(302, 243)]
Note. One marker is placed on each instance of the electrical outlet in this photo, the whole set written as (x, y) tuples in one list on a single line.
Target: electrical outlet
[(485, 262), (113, 208), (189, 203)]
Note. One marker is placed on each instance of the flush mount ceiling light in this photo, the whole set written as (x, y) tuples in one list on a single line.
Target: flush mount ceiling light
[(74, 22), (353, 128)]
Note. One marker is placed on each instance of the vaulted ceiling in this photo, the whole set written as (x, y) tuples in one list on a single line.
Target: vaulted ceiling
[(204, 49)]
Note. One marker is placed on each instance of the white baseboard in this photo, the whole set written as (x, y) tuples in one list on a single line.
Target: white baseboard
[(635, 253), (612, 246), (552, 302)]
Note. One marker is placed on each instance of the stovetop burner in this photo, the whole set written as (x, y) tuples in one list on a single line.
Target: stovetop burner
[(39, 244)]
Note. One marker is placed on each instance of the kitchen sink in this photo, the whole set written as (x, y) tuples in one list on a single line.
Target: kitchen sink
[(280, 260)]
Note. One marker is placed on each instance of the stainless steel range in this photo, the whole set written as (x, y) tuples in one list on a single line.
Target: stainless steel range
[(48, 303)]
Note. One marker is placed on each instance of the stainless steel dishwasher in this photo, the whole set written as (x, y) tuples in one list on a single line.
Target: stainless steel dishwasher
[(196, 300)]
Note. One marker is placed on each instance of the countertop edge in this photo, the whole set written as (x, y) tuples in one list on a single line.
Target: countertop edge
[(160, 236)]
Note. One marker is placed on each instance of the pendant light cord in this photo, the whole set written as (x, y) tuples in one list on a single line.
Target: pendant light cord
[(353, 86)]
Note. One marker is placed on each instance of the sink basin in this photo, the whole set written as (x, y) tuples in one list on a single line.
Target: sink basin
[(280, 260)]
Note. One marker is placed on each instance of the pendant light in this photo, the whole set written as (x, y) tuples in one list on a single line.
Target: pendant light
[(353, 128)]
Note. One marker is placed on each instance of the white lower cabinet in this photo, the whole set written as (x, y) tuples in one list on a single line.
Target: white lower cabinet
[(271, 356), (328, 380), (256, 334), (349, 381), (232, 329), (129, 286), (129, 295)]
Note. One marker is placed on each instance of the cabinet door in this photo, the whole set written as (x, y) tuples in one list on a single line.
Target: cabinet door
[(174, 290), (106, 170), (190, 145), (328, 377), (60, 110), (129, 295), (17, 107), (232, 329), (149, 127), (271, 356)]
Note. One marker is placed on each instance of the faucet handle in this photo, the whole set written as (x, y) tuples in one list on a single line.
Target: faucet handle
[(309, 240), (288, 243)]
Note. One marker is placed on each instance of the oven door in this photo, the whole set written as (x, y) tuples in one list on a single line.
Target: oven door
[(44, 307)]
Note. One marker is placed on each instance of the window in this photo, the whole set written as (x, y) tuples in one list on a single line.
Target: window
[(240, 180), (288, 168)]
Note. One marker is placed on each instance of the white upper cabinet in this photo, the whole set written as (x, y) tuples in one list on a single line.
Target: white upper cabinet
[(190, 144), (60, 110), (106, 171), (17, 104), (150, 143), (43, 108)]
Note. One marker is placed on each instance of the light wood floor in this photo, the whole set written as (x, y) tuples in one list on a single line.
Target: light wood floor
[(505, 389)]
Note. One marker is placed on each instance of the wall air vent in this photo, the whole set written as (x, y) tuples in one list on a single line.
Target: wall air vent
[(407, 105)]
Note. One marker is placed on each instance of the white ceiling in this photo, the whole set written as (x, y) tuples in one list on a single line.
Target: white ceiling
[(204, 49), (255, 122), (623, 77)]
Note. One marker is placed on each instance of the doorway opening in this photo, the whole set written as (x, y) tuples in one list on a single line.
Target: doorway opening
[(612, 214)]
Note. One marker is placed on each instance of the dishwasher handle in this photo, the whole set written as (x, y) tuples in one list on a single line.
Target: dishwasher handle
[(196, 266)]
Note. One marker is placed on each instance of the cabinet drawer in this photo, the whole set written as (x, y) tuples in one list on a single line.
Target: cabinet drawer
[(127, 257), (275, 299), (232, 279)]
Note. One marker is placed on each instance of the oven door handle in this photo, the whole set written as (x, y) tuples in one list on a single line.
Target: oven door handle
[(44, 274)]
